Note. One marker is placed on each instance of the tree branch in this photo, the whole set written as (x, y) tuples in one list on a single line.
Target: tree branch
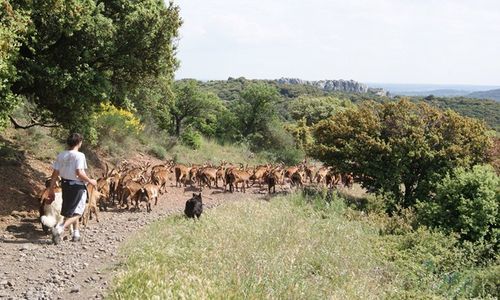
[(33, 124)]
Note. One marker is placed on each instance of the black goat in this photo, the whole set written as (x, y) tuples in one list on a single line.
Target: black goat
[(194, 206)]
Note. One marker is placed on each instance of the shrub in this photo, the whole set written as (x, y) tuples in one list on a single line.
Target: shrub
[(323, 199), (115, 123), (401, 147), (466, 202), (191, 138), (278, 144), (158, 151)]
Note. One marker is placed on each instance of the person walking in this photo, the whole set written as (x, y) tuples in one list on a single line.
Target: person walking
[(70, 165)]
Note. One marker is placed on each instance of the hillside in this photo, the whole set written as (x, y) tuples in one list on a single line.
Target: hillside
[(230, 89), (491, 94), (486, 110), (289, 89)]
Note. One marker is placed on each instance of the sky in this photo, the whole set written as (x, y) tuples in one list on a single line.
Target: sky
[(385, 41)]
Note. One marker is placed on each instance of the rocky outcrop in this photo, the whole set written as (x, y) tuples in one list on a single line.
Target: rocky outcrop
[(349, 86), (379, 92)]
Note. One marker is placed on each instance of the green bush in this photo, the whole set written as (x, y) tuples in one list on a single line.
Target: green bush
[(158, 151), (466, 202), (191, 138), (277, 144)]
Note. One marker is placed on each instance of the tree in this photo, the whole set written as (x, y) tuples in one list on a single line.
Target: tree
[(256, 108), (315, 109), (13, 26), (191, 105), (400, 147), (301, 133), (467, 203), (80, 53)]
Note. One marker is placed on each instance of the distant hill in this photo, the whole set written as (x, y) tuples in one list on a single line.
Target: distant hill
[(437, 93), (483, 109), (491, 94), (437, 90), (230, 90)]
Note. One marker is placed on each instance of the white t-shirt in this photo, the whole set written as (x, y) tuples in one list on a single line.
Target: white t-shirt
[(67, 162)]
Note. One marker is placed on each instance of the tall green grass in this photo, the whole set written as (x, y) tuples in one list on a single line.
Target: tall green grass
[(253, 250), (296, 247), (214, 152)]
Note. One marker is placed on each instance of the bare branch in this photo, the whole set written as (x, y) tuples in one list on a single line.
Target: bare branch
[(33, 124)]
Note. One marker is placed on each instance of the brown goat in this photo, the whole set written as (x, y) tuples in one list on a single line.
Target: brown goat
[(147, 193), (258, 175), (320, 175), (104, 187), (181, 174), (236, 176), (310, 173), (271, 179), (160, 178), (207, 176), (91, 207), (298, 178), (130, 193)]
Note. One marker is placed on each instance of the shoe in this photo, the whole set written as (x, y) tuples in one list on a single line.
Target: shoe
[(56, 234), (76, 238)]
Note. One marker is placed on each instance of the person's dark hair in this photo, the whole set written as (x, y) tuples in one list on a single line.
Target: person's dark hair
[(74, 139)]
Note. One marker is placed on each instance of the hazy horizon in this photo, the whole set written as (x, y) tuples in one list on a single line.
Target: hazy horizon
[(447, 42), (419, 86)]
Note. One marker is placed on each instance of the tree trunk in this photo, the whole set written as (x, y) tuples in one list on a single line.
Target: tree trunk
[(178, 122), (409, 200)]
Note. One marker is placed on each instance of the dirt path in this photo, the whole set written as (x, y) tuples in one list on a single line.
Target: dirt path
[(32, 268)]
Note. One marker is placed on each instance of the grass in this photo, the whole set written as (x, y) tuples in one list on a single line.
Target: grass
[(37, 142), (214, 152), (253, 250), (291, 248)]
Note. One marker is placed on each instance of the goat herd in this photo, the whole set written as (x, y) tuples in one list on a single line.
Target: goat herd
[(125, 185)]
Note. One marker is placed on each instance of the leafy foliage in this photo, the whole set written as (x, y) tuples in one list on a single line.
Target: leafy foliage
[(256, 108), (466, 203), (399, 147), (315, 109), (487, 110), (278, 143), (76, 54), (191, 138), (13, 26), (301, 134), (194, 107)]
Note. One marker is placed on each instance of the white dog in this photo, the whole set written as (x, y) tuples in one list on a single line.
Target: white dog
[(50, 211)]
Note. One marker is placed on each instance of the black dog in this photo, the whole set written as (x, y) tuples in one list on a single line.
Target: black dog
[(194, 206)]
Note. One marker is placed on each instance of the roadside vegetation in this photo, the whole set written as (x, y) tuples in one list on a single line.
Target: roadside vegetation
[(308, 246)]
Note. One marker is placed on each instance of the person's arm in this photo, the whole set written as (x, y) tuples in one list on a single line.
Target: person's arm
[(53, 180), (83, 176)]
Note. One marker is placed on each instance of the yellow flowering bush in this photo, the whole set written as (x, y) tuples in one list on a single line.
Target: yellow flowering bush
[(116, 123)]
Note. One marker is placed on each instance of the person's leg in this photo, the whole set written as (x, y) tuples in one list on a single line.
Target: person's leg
[(66, 223), (76, 230), (74, 222)]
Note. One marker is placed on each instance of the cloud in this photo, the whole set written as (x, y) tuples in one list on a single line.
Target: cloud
[(425, 41)]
